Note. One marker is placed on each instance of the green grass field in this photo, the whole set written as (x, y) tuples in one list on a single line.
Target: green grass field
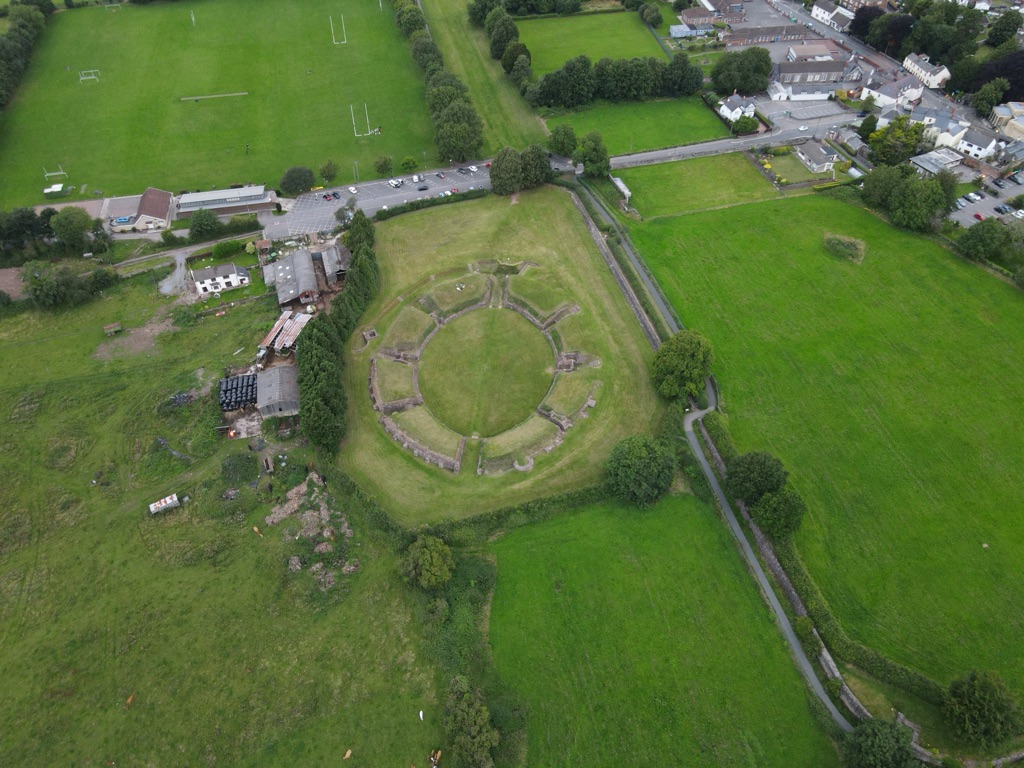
[(652, 125), (552, 42), (695, 185), (790, 168), (891, 390), (131, 129), (507, 118), (637, 638), (543, 226), (485, 372), (229, 658)]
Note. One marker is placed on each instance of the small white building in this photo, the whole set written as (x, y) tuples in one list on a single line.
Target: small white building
[(978, 145), (735, 107), (832, 15), (932, 75), (222, 277)]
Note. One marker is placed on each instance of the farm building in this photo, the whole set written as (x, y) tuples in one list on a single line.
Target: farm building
[(294, 278), (335, 260), (226, 201), (277, 391), (221, 277), (285, 333)]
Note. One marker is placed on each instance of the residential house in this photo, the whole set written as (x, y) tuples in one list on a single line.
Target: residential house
[(937, 160), (831, 14), (932, 75), (139, 214), (902, 92), (886, 116), (977, 144), (942, 127), (817, 156), (983, 5), (735, 107), (849, 138), (885, 5), (1012, 154), (222, 277)]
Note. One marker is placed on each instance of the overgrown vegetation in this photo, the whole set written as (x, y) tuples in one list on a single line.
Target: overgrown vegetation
[(843, 247)]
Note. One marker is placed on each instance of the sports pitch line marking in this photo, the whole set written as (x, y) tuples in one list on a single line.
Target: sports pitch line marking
[(214, 96)]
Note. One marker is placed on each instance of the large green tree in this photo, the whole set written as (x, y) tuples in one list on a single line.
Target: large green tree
[(754, 474), (71, 225), (384, 165), (1004, 28), (743, 72), (682, 364), (985, 241), (990, 94), (593, 154), (203, 225), (459, 131), (296, 180), (640, 469), (982, 710), (329, 171), (920, 205), (507, 172), (563, 140), (877, 743), (780, 513), (536, 166), (502, 35), (897, 142), (467, 723), (428, 563)]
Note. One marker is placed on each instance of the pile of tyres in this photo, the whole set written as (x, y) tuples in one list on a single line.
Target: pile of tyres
[(237, 392)]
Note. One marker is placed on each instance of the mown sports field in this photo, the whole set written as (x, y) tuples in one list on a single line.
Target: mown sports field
[(552, 42), (131, 128), (637, 638), (419, 250), (890, 390)]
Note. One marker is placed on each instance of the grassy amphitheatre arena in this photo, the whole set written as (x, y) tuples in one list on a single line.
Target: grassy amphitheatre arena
[(638, 638), (504, 360), (131, 128), (891, 390)]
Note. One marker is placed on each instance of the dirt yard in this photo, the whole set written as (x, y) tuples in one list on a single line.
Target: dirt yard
[(134, 341), (10, 283)]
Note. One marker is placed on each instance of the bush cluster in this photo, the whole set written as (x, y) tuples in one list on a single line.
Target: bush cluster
[(205, 225), (458, 129), (57, 287), (429, 202), (579, 82)]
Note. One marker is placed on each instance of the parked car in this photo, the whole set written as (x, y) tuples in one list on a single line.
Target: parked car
[(416, 178), (1015, 180), (999, 183), (981, 195), (439, 175), (958, 203), (353, 190), (973, 197), (473, 169), (422, 188), (328, 196), (463, 171), (336, 195), (803, 128), (979, 217), (393, 183), (1018, 214)]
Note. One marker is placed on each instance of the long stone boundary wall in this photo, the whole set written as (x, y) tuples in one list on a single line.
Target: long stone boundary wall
[(825, 660), (421, 451)]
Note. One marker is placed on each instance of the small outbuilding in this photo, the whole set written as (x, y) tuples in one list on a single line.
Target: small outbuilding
[(277, 391)]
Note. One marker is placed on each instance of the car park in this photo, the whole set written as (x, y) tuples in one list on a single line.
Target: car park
[(353, 190)]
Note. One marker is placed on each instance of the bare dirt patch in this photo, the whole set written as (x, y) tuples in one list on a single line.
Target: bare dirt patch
[(136, 340), (11, 284)]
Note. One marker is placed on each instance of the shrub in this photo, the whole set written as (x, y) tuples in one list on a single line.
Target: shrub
[(682, 364), (878, 743), (428, 563), (227, 248), (467, 722), (754, 474), (842, 247), (296, 180), (981, 709), (640, 469)]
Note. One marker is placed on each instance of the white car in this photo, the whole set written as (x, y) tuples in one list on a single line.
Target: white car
[(473, 169), (1019, 214), (803, 128), (353, 190)]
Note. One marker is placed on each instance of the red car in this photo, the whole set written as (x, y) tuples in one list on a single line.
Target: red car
[(979, 217)]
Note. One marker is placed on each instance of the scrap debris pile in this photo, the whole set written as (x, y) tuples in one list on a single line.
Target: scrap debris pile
[(237, 392)]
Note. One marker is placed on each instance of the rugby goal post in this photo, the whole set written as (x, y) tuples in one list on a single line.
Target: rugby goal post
[(47, 175), (88, 74)]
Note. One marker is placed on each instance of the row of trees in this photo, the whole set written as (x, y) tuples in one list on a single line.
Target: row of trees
[(513, 171), (322, 400), (26, 23), (503, 36), (26, 235), (649, 12), (579, 82)]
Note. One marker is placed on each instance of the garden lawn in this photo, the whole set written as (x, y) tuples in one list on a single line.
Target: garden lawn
[(552, 42), (131, 129), (891, 391), (180, 639), (507, 118), (695, 185), (637, 638), (792, 170), (651, 125), (542, 226)]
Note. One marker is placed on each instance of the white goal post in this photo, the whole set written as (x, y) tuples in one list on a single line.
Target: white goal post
[(88, 74)]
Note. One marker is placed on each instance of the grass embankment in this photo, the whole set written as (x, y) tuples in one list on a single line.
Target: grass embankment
[(552, 42), (225, 655), (637, 638), (126, 136), (891, 391), (631, 127), (695, 185), (508, 119), (543, 227)]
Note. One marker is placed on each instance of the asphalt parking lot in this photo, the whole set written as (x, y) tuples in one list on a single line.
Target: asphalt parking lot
[(986, 207)]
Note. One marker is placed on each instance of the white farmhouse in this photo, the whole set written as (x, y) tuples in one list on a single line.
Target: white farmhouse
[(932, 75), (735, 107), (221, 277)]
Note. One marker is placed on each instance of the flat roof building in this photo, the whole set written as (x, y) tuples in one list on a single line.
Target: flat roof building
[(241, 200)]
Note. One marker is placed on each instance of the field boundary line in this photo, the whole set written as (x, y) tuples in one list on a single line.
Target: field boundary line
[(214, 96)]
